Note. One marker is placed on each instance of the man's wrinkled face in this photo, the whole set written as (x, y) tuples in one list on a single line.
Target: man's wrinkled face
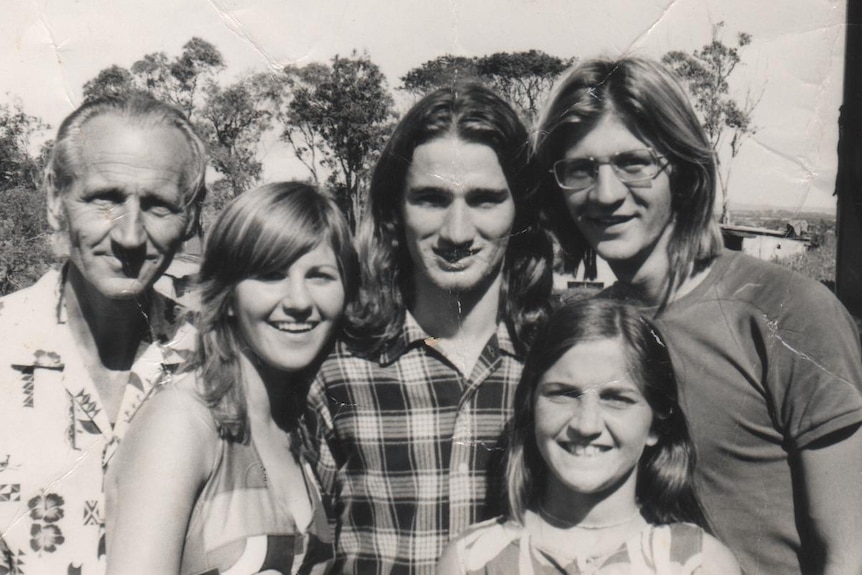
[(125, 213)]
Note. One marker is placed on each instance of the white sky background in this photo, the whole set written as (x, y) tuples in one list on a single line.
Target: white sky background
[(49, 48)]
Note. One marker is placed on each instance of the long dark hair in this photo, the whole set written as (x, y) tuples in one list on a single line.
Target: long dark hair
[(260, 232), (474, 114), (665, 470), (651, 102)]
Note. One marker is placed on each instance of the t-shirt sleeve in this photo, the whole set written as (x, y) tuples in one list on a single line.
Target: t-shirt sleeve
[(814, 369)]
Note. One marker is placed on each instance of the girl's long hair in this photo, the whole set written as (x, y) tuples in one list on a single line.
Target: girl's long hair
[(665, 470), (261, 232)]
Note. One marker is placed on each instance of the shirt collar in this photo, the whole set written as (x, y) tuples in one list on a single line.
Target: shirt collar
[(165, 321), (412, 335)]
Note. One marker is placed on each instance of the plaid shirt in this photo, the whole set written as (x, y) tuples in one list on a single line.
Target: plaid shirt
[(410, 450)]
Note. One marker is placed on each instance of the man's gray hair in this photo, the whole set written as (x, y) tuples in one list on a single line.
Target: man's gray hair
[(141, 110)]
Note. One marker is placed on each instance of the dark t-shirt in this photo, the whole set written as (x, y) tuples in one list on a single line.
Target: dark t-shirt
[(768, 362)]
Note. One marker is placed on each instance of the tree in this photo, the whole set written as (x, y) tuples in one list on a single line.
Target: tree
[(25, 250), (339, 116), (522, 78), (198, 60), (25, 253), (176, 81), (17, 166), (301, 127), (440, 72), (232, 120), (112, 81), (727, 122)]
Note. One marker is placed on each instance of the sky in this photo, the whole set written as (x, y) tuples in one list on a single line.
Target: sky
[(50, 48)]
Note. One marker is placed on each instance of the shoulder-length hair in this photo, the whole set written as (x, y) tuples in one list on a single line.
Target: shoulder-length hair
[(665, 470), (65, 164), (474, 114), (261, 232), (651, 102)]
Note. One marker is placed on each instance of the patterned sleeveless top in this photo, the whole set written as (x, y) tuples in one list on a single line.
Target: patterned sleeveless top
[(503, 547), (237, 529)]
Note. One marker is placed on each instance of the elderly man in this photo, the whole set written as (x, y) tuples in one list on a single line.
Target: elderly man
[(86, 345), (457, 271)]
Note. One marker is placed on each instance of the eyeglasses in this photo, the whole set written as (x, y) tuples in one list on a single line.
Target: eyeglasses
[(630, 166)]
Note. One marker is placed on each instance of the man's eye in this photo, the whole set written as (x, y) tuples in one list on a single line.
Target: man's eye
[(579, 168), (431, 200), (489, 198), (159, 207), (106, 199), (633, 162)]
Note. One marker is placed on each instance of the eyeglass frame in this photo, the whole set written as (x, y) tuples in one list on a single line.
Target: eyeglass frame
[(608, 160)]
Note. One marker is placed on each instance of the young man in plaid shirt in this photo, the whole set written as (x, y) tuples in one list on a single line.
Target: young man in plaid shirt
[(409, 411)]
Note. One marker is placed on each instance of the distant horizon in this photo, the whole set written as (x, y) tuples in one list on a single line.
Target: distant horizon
[(760, 207)]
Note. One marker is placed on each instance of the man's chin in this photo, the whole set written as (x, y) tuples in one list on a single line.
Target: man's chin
[(122, 288)]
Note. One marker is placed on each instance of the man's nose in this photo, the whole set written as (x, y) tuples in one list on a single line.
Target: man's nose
[(458, 228), (608, 188), (128, 224)]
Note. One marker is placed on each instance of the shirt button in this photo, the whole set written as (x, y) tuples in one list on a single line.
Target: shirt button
[(462, 468)]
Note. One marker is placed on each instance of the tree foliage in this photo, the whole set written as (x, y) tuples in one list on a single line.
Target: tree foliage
[(178, 81), (439, 72), (113, 81), (727, 122), (25, 252), (336, 118), (25, 249), (523, 78), (232, 120), (17, 166)]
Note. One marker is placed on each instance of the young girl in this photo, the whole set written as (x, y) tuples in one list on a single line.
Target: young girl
[(210, 478), (600, 461)]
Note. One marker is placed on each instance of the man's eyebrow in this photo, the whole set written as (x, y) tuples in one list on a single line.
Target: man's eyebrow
[(102, 191)]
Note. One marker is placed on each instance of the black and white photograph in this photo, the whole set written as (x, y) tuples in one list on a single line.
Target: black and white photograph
[(528, 287)]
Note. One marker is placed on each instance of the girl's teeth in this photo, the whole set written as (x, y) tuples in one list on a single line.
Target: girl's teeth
[(294, 327), (586, 450)]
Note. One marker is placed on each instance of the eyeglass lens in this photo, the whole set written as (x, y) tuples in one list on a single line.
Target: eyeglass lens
[(629, 166)]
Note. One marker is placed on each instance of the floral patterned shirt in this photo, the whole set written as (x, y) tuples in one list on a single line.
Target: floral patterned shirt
[(56, 438)]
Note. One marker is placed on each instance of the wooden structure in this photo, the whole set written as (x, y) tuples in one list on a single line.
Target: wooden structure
[(848, 272)]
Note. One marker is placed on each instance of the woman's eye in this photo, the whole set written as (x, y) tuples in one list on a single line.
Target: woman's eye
[(323, 276)]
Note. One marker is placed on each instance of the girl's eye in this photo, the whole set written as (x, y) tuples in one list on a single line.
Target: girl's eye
[(619, 399)]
